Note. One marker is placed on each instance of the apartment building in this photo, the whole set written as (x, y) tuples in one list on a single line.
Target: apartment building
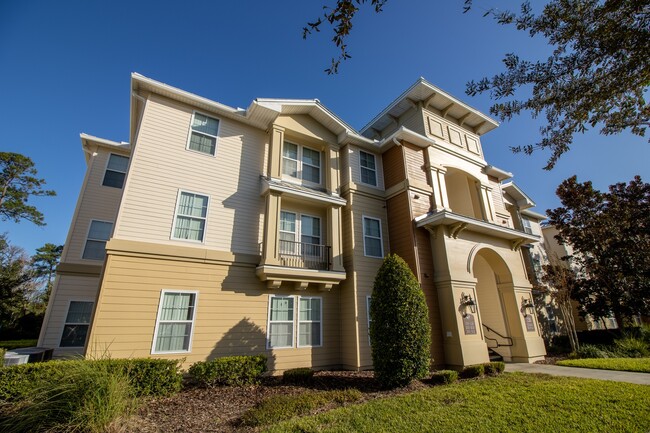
[(225, 231)]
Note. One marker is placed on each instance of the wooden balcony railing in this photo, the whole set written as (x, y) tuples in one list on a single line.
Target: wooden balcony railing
[(305, 256)]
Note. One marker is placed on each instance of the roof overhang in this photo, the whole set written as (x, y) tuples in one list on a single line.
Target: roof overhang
[(501, 175), (521, 199), (88, 141), (533, 214), (431, 96), (458, 223)]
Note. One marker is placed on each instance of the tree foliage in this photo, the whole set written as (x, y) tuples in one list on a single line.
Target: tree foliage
[(44, 264), (14, 278), (610, 235), (400, 333), (596, 75), (17, 184)]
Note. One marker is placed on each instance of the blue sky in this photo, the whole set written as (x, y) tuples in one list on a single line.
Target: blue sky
[(65, 69)]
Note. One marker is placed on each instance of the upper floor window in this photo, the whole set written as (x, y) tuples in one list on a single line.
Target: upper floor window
[(203, 134), (98, 235), (175, 322), (116, 171), (368, 168), (525, 222), (372, 243), (191, 216), (306, 228), (301, 162)]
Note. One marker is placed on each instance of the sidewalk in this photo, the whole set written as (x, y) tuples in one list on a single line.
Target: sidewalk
[(587, 373)]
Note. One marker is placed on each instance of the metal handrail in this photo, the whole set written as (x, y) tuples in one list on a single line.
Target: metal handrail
[(305, 255), (511, 343)]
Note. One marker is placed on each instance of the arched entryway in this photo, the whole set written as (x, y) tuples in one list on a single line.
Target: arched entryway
[(494, 289)]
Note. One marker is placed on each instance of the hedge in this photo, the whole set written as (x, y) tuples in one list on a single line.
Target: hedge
[(155, 377), (229, 370), (444, 377), (494, 368), (472, 371), (298, 376)]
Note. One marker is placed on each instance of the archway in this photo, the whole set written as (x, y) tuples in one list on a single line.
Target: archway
[(492, 278)]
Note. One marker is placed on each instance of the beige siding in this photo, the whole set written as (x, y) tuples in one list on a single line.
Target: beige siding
[(400, 229), (456, 136), (231, 312), (414, 121), (66, 288), (345, 164), (355, 167), (393, 164), (415, 164), (96, 202), (162, 166)]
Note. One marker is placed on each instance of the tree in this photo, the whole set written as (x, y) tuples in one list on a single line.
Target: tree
[(44, 263), (561, 280), (14, 276), (17, 184), (596, 75), (400, 334), (610, 235)]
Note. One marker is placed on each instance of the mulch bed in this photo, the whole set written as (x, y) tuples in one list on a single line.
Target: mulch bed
[(219, 409), (552, 360)]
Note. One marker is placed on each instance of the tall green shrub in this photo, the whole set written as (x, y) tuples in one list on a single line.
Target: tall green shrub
[(400, 334)]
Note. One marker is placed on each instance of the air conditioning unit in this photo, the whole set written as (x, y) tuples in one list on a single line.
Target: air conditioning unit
[(12, 358)]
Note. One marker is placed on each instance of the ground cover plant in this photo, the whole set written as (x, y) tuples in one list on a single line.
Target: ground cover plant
[(17, 344), (510, 402), (641, 365)]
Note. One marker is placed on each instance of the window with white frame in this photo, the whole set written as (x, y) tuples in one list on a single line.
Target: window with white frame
[(525, 222), (77, 322), (175, 322), (115, 171), (372, 243), (309, 322), (301, 162), (98, 234), (283, 320), (368, 168), (191, 216), (307, 228), (203, 134)]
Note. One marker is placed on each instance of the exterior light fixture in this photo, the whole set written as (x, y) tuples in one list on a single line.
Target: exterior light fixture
[(527, 306), (465, 302)]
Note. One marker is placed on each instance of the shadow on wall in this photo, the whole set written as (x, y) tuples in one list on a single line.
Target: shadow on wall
[(245, 338)]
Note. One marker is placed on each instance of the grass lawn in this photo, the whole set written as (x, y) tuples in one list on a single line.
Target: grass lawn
[(512, 402), (17, 344), (622, 364)]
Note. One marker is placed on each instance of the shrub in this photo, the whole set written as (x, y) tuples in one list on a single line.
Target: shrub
[(591, 351), (17, 344), (298, 376), (632, 347), (283, 407), (472, 371), (146, 376), (230, 370), (400, 334), (89, 397), (2, 356), (494, 368), (444, 377)]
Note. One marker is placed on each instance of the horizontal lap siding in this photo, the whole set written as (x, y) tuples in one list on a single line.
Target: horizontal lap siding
[(393, 164), (67, 288), (415, 163), (400, 227), (97, 202), (231, 318), (162, 165)]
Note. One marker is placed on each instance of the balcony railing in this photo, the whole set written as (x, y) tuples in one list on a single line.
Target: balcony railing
[(305, 256)]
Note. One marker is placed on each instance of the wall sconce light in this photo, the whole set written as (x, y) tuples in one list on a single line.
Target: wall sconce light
[(467, 301), (527, 306)]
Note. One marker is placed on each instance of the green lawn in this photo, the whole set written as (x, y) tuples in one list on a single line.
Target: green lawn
[(622, 364), (514, 402), (17, 344)]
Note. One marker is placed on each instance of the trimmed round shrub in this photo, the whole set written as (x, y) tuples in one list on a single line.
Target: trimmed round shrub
[(298, 376), (472, 371), (444, 377), (400, 334), (494, 368), (591, 351)]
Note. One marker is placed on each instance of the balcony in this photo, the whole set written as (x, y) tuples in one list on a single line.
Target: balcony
[(305, 256)]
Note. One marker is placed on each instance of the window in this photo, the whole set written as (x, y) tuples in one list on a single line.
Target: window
[(282, 322), (309, 322), (525, 222), (203, 134), (76, 324), (301, 162), (372, 244), (191, 215), (368, 168), (280, 330), (175, 322), (309, 229), (99, 233), (116, 171)]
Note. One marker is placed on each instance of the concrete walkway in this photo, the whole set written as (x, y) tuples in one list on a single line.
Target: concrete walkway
[(587, 373)]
